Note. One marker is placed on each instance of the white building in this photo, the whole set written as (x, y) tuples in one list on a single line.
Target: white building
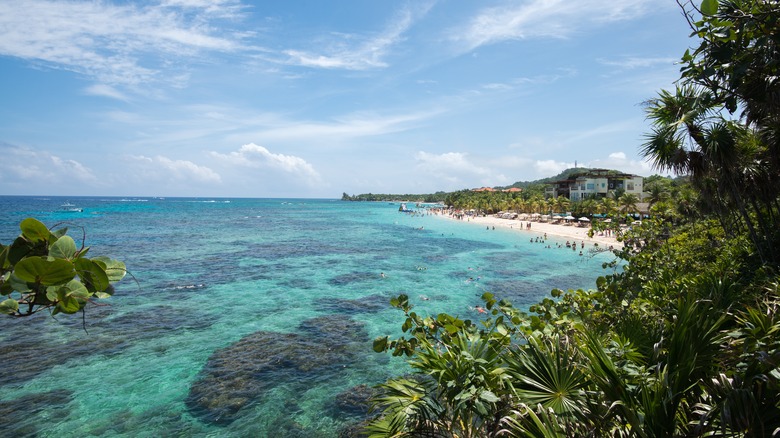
[(595, 183)]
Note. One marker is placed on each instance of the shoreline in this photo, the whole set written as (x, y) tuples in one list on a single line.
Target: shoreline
[(574, 233)]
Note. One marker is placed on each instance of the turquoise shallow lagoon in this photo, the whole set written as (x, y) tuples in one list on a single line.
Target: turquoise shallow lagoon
[(248, 317)]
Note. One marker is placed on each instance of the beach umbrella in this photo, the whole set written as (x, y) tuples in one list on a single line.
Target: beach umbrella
[(584, 219), (569, 218)]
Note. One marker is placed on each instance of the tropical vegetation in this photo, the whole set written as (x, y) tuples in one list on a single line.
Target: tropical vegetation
[(682, 337), (46, 270)]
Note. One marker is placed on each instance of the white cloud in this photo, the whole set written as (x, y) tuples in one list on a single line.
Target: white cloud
[(551, 167), (345, 127), (448, 163), (543, 19), (351, 52), (621, 161), (254, 156), (617, 156), (41, 170), (634, 62), (104, 90), (114, 43), (161, 169)]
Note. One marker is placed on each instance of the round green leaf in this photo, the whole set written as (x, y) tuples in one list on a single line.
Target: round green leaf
[(709, 7), (34, 230), (68, 304), (9, 306), (92, 274), (63, 248), (380, 344), (48, 272), (76, 289), (115, 269)]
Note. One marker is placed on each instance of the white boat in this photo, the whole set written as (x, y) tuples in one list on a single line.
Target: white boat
[(70, 208)]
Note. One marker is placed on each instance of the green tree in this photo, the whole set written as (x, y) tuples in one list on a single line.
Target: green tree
[(628, 203), (561, 204)]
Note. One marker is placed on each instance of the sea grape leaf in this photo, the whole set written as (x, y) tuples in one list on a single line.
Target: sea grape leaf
[(9, 306), (18, 250), (34, 230), (76, 289), (63, 248), (380, 344), (18, 284), (115, 269), (59, 233), (46, 271), (105, 293), (709, 7), (92, 274), (67, 303)]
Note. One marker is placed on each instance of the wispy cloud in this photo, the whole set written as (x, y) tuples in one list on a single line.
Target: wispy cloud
[(449, 164), (354, 125), (634, 62), (161, 169), (112, 43), (104, 90), (354, 52), (542, 19)]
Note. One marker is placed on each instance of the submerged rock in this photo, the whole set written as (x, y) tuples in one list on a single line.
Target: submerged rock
[(236, 376), (368, 304), (355, 401), (22, 416)]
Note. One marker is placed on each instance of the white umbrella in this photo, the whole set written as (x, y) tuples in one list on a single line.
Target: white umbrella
[(569, 218), (584, 219)]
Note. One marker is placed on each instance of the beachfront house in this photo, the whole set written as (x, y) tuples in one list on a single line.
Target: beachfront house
[(595, 183)]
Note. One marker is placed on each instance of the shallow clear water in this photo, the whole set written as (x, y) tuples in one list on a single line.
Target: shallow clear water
[(246, 317)]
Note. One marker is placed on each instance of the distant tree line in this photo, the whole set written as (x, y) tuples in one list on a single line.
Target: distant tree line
[(373, 197)]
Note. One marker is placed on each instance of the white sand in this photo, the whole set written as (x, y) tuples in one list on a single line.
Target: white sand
[(570, 232)]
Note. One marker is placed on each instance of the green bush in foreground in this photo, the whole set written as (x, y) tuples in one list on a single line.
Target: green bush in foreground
[(45, 269)]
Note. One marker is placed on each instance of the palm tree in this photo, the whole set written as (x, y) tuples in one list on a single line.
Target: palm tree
[(562, 204), (657, 194), (628, 203), (609, 206), (689, 136)]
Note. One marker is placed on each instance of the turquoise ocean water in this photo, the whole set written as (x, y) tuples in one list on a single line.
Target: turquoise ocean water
[(248, 317)]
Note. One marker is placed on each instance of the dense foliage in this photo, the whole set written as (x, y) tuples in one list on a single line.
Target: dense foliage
[(682, 341), (45, 269)]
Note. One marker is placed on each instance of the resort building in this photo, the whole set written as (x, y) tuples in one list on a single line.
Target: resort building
[(596, 183)]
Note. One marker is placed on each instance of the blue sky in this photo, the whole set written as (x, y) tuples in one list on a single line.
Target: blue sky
[(315, 98)]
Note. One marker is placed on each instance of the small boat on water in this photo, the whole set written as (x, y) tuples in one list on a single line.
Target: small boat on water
[(70, 208)]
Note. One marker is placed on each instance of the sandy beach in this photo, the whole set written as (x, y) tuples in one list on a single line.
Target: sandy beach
[(573, 233)]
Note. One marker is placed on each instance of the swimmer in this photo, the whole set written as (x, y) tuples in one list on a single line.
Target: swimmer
[(382, 274), (480, 309)]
